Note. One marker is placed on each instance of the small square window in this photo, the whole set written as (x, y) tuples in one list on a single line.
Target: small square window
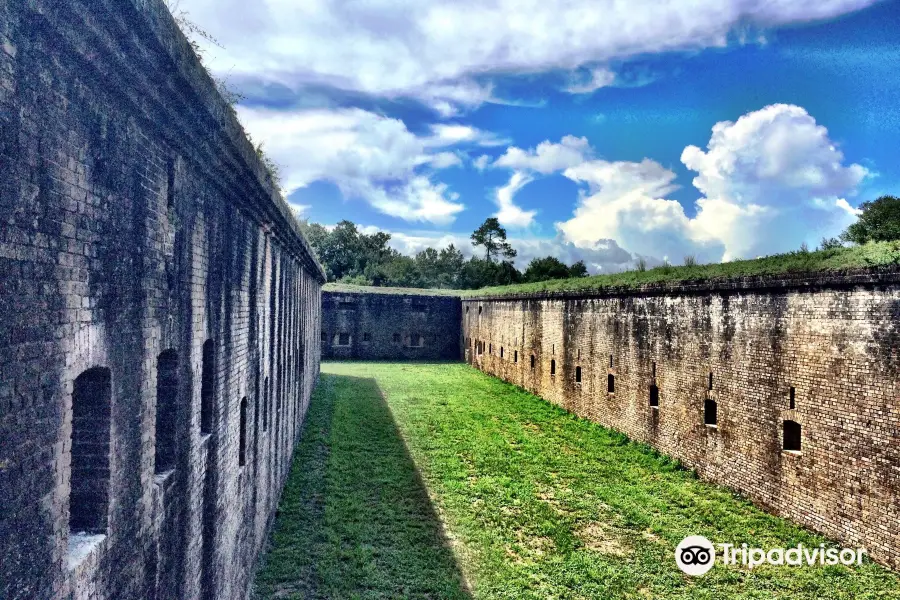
[(343, 339)]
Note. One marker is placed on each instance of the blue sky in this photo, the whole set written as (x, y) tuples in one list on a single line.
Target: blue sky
[(600, 130)]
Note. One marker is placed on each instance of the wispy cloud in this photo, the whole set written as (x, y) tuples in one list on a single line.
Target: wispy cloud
[(439, 51), (367, 156)]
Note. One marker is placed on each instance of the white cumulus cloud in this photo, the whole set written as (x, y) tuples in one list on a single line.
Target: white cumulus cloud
[(604, 256), (761, 176), (365, 155), (547, 157)]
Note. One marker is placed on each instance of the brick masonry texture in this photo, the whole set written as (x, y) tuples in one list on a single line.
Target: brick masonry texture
[(834, 340), (137, 224), (390, 326)]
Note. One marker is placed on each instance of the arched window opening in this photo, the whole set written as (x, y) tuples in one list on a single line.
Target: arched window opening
[(89, 480), (242, 443), (207, 387), (553, 366), (166, 410), (577, 374), (611, 383), (266, 400)]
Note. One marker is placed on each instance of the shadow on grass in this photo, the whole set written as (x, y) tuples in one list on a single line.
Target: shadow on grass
[(355, 519)]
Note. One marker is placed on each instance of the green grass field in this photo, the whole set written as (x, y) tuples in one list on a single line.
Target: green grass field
[(437, 481)]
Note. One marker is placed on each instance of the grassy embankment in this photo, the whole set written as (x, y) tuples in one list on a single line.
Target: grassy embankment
[(874, 254)]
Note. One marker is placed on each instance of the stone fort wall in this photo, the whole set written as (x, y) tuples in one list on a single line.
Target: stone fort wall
[(786, 390), (389, 326), (160, 314)]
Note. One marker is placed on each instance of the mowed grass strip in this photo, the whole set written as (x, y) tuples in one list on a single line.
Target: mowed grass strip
[(536, 503), (355, 520)]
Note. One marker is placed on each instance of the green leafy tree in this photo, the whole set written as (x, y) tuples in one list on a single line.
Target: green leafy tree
[(402, 271), (345, 252), (830, 244), (492, 236), (440, 268), (542, 269), (878, 222), (451, 261), (549, 267), (476, 273), (578, 269), (506, 273), (480, 272), (350, 256)]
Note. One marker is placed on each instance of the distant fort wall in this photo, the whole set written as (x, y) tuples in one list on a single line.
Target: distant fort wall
[(379, 326)]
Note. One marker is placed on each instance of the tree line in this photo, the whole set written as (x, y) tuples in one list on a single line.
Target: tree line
[(351, 256)]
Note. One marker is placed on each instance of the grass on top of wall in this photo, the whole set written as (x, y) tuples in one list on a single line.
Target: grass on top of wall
[(336, 286), (434, 480), (873, 254)]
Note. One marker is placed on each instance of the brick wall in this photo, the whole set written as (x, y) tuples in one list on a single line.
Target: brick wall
[(831, 343), (136, 220), (373, 326)]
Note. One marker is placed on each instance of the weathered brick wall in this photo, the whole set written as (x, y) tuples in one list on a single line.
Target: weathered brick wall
[(393, 326), (135, 219), (835, 341)]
